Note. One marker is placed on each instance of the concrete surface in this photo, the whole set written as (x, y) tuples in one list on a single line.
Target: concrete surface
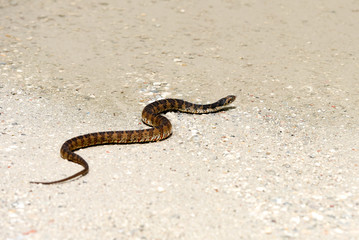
[(282, 164)]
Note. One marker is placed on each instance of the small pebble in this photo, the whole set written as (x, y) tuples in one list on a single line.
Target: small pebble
[(317, 216)]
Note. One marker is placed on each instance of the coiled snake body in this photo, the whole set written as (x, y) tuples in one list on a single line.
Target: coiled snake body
[(161, 129)]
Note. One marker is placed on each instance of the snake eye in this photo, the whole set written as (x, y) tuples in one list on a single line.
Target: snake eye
[(230, 99)]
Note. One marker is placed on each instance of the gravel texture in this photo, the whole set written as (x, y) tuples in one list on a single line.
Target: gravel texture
[(282, 163)]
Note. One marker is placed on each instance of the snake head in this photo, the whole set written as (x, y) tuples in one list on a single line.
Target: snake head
[(227, 100), (230, 99)]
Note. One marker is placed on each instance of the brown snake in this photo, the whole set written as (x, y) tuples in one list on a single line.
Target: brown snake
[(161, 129)]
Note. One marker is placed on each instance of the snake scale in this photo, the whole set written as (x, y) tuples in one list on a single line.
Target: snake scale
[(161, 129)]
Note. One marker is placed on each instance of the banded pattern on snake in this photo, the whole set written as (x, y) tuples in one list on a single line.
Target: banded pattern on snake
[(161, 129)]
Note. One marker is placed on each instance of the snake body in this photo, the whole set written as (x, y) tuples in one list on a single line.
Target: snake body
[(161, 129)]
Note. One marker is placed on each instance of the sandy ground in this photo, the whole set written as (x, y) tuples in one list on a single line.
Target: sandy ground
[(282, 164)]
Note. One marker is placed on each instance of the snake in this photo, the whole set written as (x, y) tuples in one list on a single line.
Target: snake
[(161, 128)]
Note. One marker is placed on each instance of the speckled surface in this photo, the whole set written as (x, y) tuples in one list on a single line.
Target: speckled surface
[(283, 163)]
